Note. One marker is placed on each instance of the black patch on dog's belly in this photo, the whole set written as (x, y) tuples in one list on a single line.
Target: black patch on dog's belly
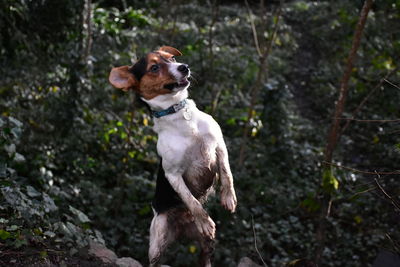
[(166, 197)]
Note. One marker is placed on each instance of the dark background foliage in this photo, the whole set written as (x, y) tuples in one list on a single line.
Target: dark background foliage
[(78, 158)]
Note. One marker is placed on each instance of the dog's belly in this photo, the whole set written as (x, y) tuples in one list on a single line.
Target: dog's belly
[(199, 176), (200, 182)]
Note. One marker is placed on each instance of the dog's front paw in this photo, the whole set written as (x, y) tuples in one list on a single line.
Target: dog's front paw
[(228, 200), (206, 226)]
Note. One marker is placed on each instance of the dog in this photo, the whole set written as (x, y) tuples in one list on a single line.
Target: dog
[(192, 151)]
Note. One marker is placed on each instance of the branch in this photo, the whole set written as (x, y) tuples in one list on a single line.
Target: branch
[(215, 90), (380, 121), (253, 29), (359, 171), (334, 133), (393, 132), (275, 31), (367, 97), (395, 244), (392, 84), (395, 204), (255, 241), (88, 45), (257, 87)]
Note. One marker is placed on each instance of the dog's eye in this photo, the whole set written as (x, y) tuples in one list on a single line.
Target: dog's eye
[(172, 59), (154, 68)]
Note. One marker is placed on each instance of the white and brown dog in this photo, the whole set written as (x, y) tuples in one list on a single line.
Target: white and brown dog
[(192, 150)]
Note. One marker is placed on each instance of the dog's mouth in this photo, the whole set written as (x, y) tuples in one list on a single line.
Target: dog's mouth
[(180, 84)]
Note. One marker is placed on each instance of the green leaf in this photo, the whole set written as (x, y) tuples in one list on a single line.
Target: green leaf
[(20, 242), (12, 228), (145, 210), (4, 234), (231, 121), (397, 146), (358, 219), (329, 182), (192, 249), (43, 254), (310, 203)]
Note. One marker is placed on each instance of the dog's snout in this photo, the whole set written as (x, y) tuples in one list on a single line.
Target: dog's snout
[(184, 69)]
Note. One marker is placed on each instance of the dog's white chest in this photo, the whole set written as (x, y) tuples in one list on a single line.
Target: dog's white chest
[(175, 137), (181, 133)]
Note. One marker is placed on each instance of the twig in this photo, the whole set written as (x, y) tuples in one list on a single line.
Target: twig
[(215, 90), (255, 241), (358, 120), (395, 204), (367, 97), (392, 84), (393, 132), (364, 191), (260, 79), (88, 45), (275, 31), (394, 243), (359, 171), (253, 29)]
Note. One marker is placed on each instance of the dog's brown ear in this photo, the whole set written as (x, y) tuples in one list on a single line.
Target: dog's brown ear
[(171, 50), (122, 78)]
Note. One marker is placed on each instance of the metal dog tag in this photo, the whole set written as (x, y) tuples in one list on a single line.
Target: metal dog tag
[(187, 114)]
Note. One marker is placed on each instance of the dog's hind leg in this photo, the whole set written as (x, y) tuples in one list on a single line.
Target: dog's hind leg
[(160, 237), (206, 244), (207, 250), (204, 223)]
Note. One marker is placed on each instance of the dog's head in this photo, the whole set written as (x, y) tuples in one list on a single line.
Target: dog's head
[(157, 73)]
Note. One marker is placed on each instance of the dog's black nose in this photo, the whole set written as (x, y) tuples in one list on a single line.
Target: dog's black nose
[(184, 68)]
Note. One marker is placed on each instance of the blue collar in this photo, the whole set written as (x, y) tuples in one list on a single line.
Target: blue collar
[(171, 110)]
